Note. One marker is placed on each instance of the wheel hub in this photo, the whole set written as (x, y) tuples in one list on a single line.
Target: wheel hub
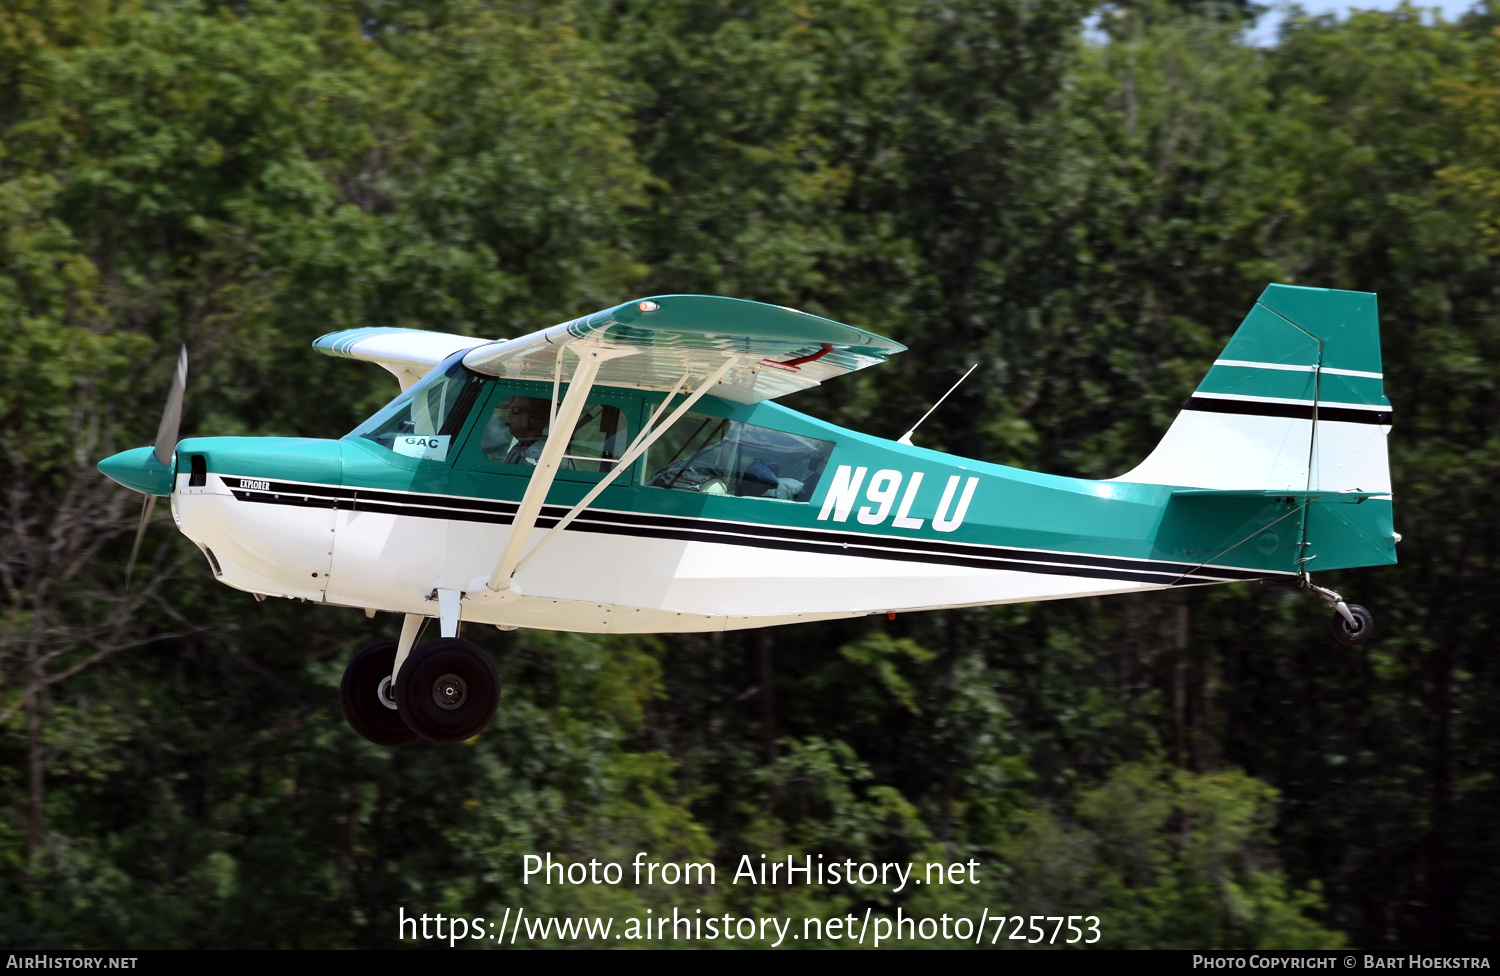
[(450, 692), (386, 693)]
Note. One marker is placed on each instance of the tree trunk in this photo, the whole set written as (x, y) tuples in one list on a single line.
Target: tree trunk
[(767, 693), (35, 824), (1439, 894), (1179, 684)]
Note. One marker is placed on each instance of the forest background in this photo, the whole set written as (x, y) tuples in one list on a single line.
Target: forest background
[(1087, 212)]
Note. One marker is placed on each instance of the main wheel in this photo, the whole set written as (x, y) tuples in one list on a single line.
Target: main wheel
[(365, 696), (447, 690), (1357, 633)]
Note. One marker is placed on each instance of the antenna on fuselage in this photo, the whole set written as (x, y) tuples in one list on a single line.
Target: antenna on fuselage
[(906, 437)]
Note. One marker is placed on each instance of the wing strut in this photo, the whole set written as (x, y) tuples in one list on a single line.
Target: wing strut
[(646, 438), (559, 434)]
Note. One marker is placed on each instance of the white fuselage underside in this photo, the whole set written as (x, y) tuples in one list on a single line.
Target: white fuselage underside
[(587, 581)]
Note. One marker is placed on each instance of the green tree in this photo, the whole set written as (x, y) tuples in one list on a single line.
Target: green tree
[(1088, 221)]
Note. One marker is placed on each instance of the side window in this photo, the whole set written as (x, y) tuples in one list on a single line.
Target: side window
[(602, 435), (518, 428), (726, 457)]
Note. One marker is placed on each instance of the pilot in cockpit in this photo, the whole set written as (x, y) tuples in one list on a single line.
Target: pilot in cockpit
[(524, 435)]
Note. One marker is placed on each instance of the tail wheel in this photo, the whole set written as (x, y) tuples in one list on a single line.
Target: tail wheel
[(447, 690), (1352, 635), (365, 696)]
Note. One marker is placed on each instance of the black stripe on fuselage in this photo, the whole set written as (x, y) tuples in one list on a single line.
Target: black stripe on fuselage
[(1294, 411), (786, 538)]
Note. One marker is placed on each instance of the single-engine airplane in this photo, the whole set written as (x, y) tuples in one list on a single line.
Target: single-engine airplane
[(630, 472)]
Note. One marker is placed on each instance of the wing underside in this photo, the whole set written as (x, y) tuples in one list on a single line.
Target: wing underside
[(653, 342), (650, 344)]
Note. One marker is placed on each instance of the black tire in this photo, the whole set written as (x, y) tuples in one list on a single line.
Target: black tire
[(359, 694), (1353, 636), (447, 690)]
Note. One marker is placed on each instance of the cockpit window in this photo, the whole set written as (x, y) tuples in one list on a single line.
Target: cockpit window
[(726, 457), (518, 428), (423, 421)]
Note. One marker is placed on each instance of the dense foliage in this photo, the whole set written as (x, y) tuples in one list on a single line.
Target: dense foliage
[(1084, 207)]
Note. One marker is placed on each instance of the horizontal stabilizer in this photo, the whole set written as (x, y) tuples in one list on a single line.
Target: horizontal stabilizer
[(1271, 493), (1285, 530)]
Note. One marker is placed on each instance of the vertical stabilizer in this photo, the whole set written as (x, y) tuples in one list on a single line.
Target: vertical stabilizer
[(1296, 401)]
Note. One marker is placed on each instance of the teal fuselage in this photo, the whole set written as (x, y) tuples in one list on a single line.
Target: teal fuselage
[(1104, 535)]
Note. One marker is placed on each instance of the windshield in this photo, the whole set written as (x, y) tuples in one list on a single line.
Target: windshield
[(422, 422)]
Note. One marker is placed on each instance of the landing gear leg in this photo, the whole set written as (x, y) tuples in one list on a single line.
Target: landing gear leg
[(1352, 624), (411, 630)]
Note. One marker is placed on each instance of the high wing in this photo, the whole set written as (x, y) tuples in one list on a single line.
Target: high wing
[(408, 353), (688, 344), (650, 343)]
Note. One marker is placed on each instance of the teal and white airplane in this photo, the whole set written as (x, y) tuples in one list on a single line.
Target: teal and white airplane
[(631, 472)]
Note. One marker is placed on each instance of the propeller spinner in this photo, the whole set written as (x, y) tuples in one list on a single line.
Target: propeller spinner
[(166, 443)]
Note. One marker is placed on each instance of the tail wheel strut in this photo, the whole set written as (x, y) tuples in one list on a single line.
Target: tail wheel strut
[(1352, 624)]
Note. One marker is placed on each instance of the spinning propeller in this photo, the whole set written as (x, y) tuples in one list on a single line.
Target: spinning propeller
[(166, 443)]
